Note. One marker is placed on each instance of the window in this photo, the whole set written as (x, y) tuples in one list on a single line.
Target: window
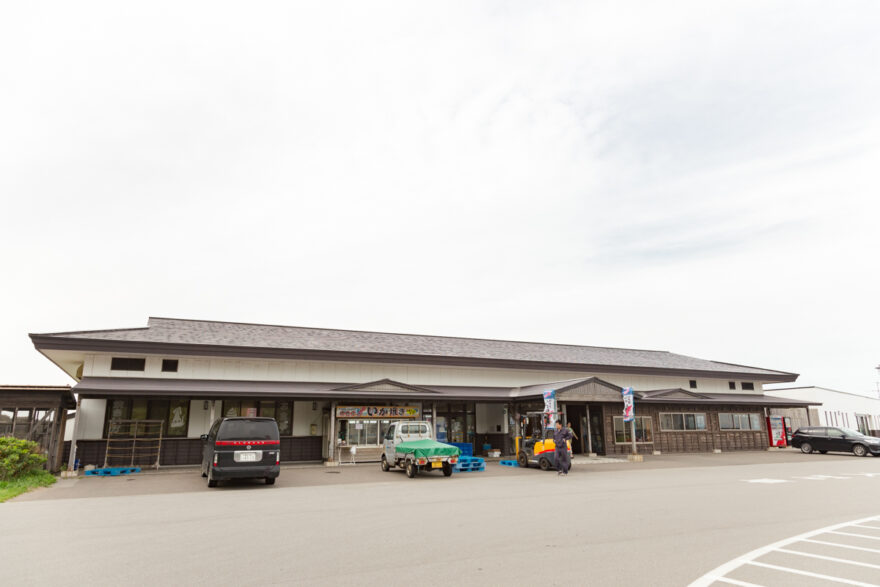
[(731, 385), (174, 414), (178, 418), (127, 364), (693, 383), (623, 430), (282, 411), (682, 421), (748, 386), (739, 421), (169, 365)]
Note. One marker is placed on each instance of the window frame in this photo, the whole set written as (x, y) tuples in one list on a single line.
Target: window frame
[(684, 420), (152, 405), (170, 363), (736, 420), (627, 430)]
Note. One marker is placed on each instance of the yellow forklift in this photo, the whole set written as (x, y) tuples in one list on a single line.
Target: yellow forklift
[(534, 444)]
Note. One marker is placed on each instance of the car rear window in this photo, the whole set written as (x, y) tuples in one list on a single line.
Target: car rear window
[(248, 430)]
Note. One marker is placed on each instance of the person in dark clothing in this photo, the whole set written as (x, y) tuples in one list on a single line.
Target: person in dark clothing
[(561, 437)]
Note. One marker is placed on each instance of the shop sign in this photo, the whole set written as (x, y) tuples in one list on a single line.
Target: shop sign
[(350, 412), (628, 409)]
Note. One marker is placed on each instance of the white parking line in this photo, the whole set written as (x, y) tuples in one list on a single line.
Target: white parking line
[(849, 546), (718, 574), (845, 561), (856, 535), (866, 526), (740, 583), (809, 574)]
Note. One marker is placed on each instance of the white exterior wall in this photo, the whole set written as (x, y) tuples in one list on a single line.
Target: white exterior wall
[(98, 365), (838, 408), (91, 416), (200, 418), (489, 417), (304, 417)]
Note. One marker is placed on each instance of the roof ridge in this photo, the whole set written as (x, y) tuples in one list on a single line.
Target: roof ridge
[(400, 334), (88, 331), (10, 386), (749, 367)]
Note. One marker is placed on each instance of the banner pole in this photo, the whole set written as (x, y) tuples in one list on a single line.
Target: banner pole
[(633, 432)]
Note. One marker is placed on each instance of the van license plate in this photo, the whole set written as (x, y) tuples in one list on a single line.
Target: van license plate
[(248, 456), (436, 465)]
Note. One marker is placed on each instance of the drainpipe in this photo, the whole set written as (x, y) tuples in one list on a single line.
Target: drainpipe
[(332, 450)]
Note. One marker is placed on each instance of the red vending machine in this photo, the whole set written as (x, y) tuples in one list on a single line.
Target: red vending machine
[(776, 431)]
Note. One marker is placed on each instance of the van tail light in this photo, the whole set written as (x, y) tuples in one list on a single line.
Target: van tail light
[(278, 457), (215, 459)]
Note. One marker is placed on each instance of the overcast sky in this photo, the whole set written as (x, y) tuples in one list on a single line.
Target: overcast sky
[(698, 177)]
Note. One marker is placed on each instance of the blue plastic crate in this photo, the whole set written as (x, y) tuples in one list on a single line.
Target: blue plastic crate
[(467, 449), (508, 463)]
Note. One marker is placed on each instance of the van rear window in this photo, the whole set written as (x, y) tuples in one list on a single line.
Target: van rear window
[(248, 430)]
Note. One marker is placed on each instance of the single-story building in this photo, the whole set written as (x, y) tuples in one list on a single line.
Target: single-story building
[(831, 408), (331, 390)]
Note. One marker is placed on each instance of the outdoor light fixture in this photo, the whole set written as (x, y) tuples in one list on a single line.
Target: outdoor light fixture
[(314, 406), (207, 405)]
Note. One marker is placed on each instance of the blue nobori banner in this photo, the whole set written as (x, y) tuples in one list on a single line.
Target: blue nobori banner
[(629, 413), (550, 408)]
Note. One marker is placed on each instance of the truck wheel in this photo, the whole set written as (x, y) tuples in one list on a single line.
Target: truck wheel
[(384, 464), (522, 459), (544, 463), (411, 469), (447, 470), (806, 448)]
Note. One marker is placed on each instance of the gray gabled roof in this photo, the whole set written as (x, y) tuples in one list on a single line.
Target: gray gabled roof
[(235, 339)]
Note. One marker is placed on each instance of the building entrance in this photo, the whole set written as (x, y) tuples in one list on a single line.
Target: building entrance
[(576, 416), (596, 432)]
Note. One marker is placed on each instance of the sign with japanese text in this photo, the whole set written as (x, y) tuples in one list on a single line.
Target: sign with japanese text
[(629, 413), (352, 412), (550, 408)]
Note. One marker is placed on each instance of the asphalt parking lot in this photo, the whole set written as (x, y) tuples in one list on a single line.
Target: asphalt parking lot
[(667, 521)]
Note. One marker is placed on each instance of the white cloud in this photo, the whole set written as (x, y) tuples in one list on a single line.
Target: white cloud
[(691, 177)]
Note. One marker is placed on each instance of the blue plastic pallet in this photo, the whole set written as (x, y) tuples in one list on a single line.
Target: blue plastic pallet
[(467, 469), (509, 463), (471, 460), (113, 471)]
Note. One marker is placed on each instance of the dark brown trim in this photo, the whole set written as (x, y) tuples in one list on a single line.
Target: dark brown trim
[(44, 342)]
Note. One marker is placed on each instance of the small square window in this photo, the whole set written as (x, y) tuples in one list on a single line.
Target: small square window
[(169, 365), (748, 386), (731, 385), (693, 383)]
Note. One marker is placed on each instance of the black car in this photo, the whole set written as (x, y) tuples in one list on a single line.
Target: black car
[(241, 448), (825, 438)]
